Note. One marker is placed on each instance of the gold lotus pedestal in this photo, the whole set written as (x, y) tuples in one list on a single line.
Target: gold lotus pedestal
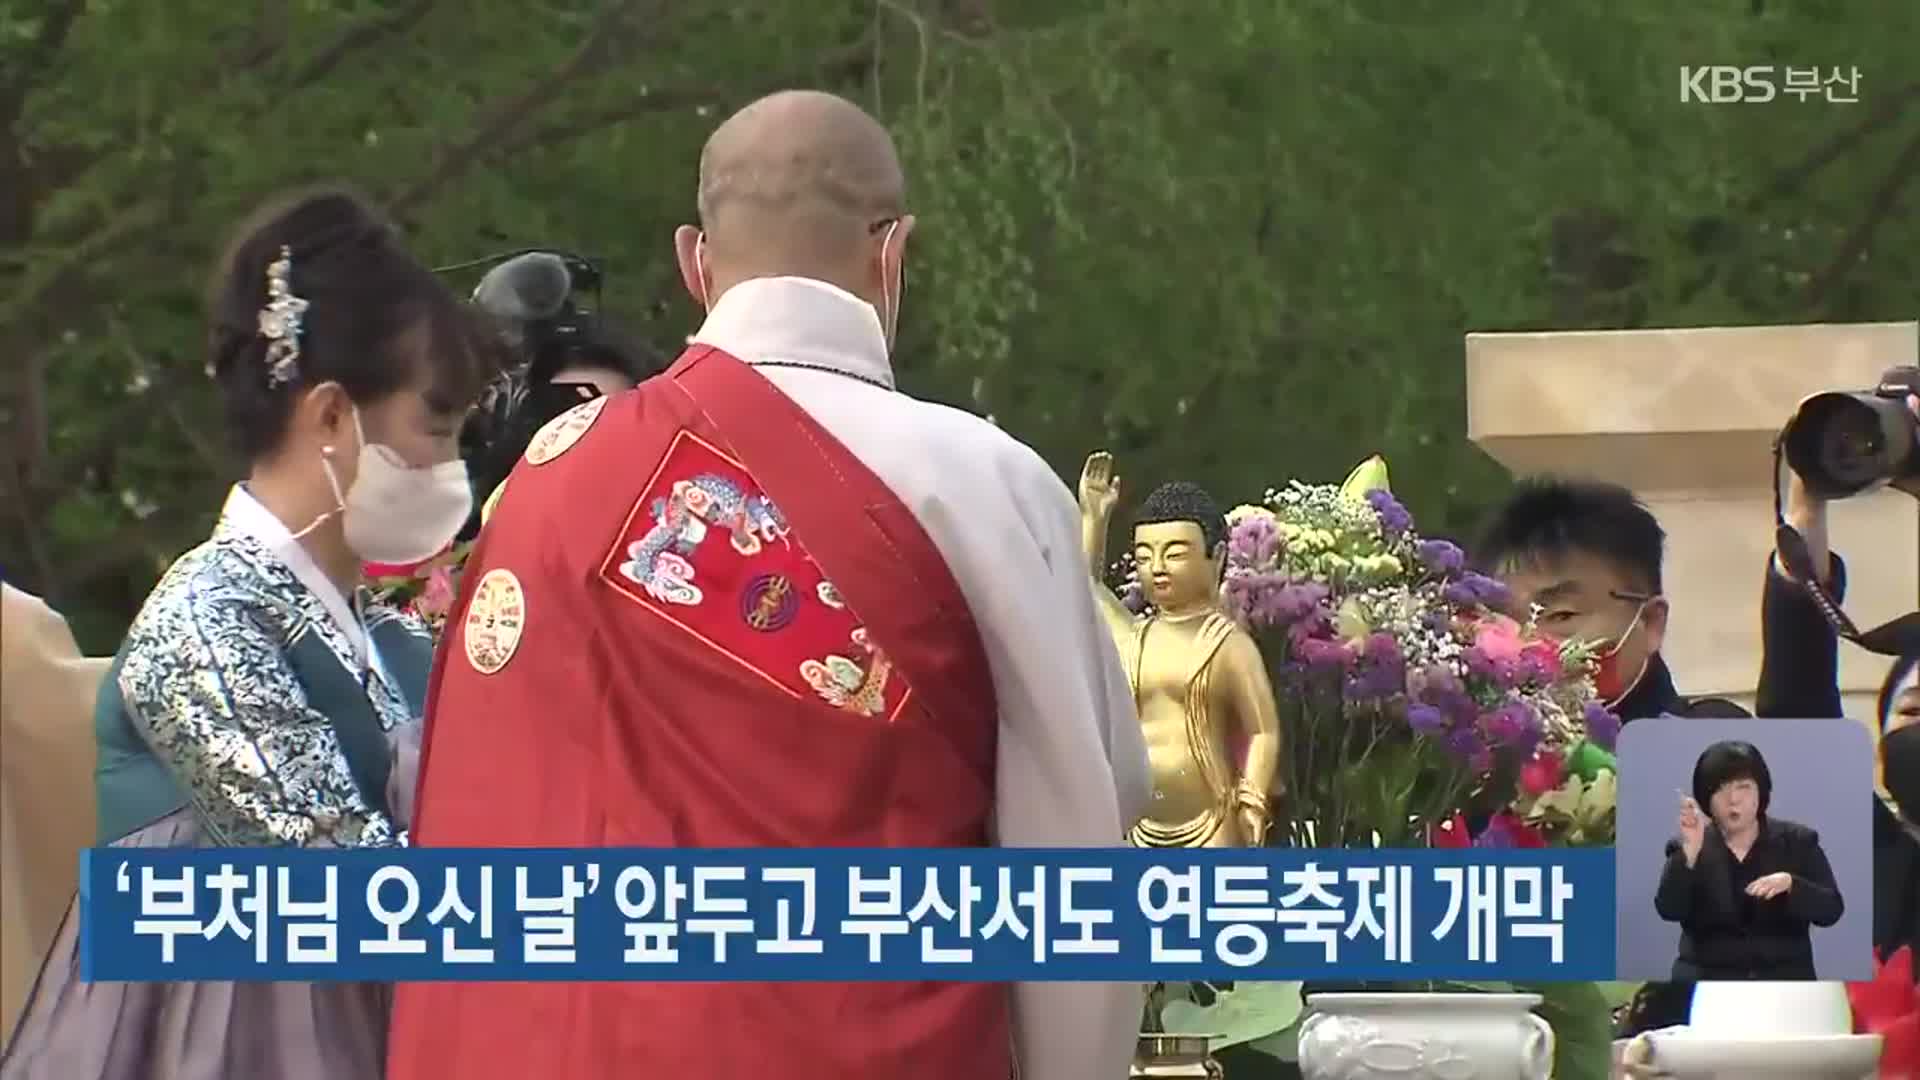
[(1175, 1057)]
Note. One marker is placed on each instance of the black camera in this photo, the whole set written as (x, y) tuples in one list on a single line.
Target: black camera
[(1843, 444)]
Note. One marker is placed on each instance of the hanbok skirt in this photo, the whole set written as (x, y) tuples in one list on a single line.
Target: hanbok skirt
[(74, 1030)]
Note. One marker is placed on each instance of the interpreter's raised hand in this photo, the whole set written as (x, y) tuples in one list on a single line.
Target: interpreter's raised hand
[(1766, 888), (1099, 487), (1693, 829)]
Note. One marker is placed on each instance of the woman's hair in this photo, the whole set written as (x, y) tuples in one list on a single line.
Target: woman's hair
[(1727, 761), (1898, 678), (606, 345), (374, 316)]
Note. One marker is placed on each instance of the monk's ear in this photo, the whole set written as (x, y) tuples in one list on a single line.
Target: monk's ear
[(693, 270)]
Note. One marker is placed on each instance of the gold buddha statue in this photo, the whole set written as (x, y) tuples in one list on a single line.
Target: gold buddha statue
[(1198, 679)]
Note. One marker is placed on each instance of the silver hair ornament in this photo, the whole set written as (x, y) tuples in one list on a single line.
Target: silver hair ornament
[(280, 321)]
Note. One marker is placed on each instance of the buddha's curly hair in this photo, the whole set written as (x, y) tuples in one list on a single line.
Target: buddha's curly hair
[(1181, 500)]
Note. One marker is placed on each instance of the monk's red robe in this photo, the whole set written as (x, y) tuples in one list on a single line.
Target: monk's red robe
[(697, 620)]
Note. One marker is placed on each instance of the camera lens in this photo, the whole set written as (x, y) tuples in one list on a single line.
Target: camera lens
[(1843, 444)]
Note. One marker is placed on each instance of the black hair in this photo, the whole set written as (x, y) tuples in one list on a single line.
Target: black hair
[(1181, 500), (1727, 761), (1890, 689), (1546, 519), (604, 344), (374, 315)]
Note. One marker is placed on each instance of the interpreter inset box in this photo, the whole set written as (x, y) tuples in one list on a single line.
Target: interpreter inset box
[(1744, 850)]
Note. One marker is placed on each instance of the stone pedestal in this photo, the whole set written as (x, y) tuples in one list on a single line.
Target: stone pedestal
[(1686, 418)]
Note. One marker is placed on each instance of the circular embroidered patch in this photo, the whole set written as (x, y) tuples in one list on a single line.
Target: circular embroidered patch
[(768, 603), (561, 432), (496, 617)]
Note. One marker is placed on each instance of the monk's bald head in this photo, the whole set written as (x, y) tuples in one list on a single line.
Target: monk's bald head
[(796, 182)]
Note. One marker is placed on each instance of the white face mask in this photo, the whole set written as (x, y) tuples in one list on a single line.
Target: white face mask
[(397, 513)]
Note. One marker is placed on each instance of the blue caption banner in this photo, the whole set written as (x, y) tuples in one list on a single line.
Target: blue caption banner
[(781, 914)]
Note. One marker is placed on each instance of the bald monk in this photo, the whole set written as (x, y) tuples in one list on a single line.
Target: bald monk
[(768, 600), (47, 691)]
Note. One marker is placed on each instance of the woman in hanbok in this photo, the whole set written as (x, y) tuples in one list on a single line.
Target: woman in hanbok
[(256, 699), (560, 362)]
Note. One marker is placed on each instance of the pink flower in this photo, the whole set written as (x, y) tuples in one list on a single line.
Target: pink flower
[(1542, 660), (437, 598), (1546, 772), (1498, 637)]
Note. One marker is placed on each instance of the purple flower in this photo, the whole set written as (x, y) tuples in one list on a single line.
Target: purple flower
[(1133, 597), (1503, 673), (1425, 719), (1297, 602), (1267, 599), (1441, 557), (1236, 595), (1432, 683), (1322, 653), (1381, 673), (1499, 834), (1476, 590), (1514, 725), (1603, 727), (1536, 669), (1253, 541), (1383, 648), (1464, 742), (1394, 519)]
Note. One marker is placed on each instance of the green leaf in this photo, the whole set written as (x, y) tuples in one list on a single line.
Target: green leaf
[(1619, 993), (1582, 1019), (1283, 1044), (1249, 1012)]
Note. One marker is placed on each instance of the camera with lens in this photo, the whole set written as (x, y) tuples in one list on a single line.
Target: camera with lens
[(1842, 444)]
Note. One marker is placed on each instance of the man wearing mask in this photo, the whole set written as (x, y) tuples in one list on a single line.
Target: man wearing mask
[(1585, 558), (659, 646), (1896, 825)]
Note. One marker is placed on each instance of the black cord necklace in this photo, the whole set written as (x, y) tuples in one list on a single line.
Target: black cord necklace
[(868, 379)]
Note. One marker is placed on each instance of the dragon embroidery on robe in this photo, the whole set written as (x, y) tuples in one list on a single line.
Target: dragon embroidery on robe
[(846, 683), (659, 561), (758, 597)]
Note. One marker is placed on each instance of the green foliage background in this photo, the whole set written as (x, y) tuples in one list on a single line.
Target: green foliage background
[(1233, 240)]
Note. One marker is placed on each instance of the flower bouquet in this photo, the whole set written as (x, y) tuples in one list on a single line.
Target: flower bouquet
[(1408, 702), (424, 590), (1410, 706)]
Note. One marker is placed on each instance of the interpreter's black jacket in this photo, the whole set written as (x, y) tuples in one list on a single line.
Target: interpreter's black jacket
[(1727, 934)]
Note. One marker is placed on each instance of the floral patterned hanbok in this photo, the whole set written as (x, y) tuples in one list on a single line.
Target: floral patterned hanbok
[(252, 705)]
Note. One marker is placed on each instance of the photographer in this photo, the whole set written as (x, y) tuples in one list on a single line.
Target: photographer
[(1800, 651), (571, 355), (1829, 455)]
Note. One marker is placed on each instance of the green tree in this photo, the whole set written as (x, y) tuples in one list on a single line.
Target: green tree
[(1230, 240)]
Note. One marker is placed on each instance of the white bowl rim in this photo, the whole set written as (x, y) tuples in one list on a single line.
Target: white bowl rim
[(1680, 1034), (1438, 999)]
